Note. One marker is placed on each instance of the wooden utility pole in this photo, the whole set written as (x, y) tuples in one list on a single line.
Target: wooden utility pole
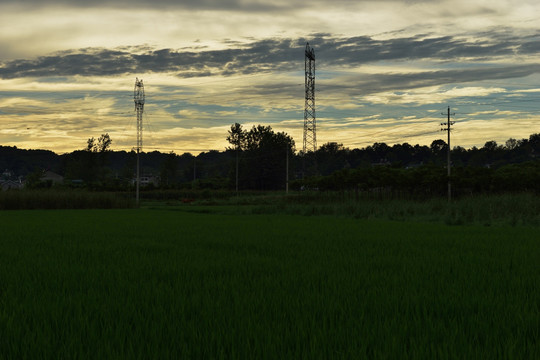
[(448, 125), (287, 169), (237, 149), (194, 171)]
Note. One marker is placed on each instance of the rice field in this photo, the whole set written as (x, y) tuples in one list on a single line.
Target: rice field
[(166, 283)]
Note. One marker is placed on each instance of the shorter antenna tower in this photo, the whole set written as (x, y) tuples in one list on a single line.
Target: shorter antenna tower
[(138, 97), (448, 125)]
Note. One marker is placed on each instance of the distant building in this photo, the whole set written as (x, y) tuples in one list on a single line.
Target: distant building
[(381, 162), (8, 180), (52, 177), (43, 178), (10, 184), (147, 179), (7, 174)]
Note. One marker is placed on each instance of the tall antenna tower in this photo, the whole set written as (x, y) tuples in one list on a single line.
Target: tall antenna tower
[(138, 97), (310, 125)]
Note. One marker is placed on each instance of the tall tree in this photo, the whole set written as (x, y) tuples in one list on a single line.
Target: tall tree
[(90, 164), (169, 169), (237, 137), (264, 156)]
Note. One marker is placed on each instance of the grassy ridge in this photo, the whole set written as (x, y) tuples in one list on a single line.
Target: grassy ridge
[(164, 284)]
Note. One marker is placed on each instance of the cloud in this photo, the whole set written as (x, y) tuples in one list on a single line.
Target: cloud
[(195, 92), (33, 27), (276, 55), (431, 95), (246, 5), (161, 4), (364, 84)]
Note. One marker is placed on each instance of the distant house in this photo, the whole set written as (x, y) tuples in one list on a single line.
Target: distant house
[(49, 176), (9, 181), (381, 162), (43, 178), (10, 184), (7, 174), (147, 179)]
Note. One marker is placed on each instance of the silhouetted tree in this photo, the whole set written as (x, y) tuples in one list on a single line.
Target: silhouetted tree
[(262, 161), (169, 169), (102, 145), (438, 150), (34, 179), (491, 146), (332, 157), (438, 146), (511, 144), (90, 164), (237, 137)]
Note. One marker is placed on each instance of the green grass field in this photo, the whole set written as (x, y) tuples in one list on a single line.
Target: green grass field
[(143, 283)]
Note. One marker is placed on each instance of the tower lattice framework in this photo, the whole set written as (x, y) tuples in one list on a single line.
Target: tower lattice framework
[(310, 124), (138, 97)]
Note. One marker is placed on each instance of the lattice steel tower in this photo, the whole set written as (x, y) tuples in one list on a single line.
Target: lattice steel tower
[(310, 125), (138, 97)]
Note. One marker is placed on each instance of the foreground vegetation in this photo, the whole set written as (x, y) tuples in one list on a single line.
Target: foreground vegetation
[(58, 198), (487, 210), (166, 283)]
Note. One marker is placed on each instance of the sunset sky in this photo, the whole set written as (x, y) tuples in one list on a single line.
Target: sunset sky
[(386, 70)]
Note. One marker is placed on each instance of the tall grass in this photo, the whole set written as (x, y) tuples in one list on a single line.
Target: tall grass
[(164, 284), (512, 209), (495, 209), (63, 199)]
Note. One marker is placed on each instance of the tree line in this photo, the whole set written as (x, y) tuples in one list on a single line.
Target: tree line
[(262, 159)]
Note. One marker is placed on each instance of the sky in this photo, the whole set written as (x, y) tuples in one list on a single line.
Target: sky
[(386, 71)]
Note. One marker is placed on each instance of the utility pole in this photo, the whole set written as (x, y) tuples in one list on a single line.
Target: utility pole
[(448, 125), (237, 171), (194, 170), (287, 169), (138, 97)]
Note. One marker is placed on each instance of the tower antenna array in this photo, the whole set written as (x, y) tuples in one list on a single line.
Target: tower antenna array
[(138, 97), (310, 125)]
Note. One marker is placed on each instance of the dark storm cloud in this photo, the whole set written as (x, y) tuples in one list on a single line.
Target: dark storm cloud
[(275, 55)]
